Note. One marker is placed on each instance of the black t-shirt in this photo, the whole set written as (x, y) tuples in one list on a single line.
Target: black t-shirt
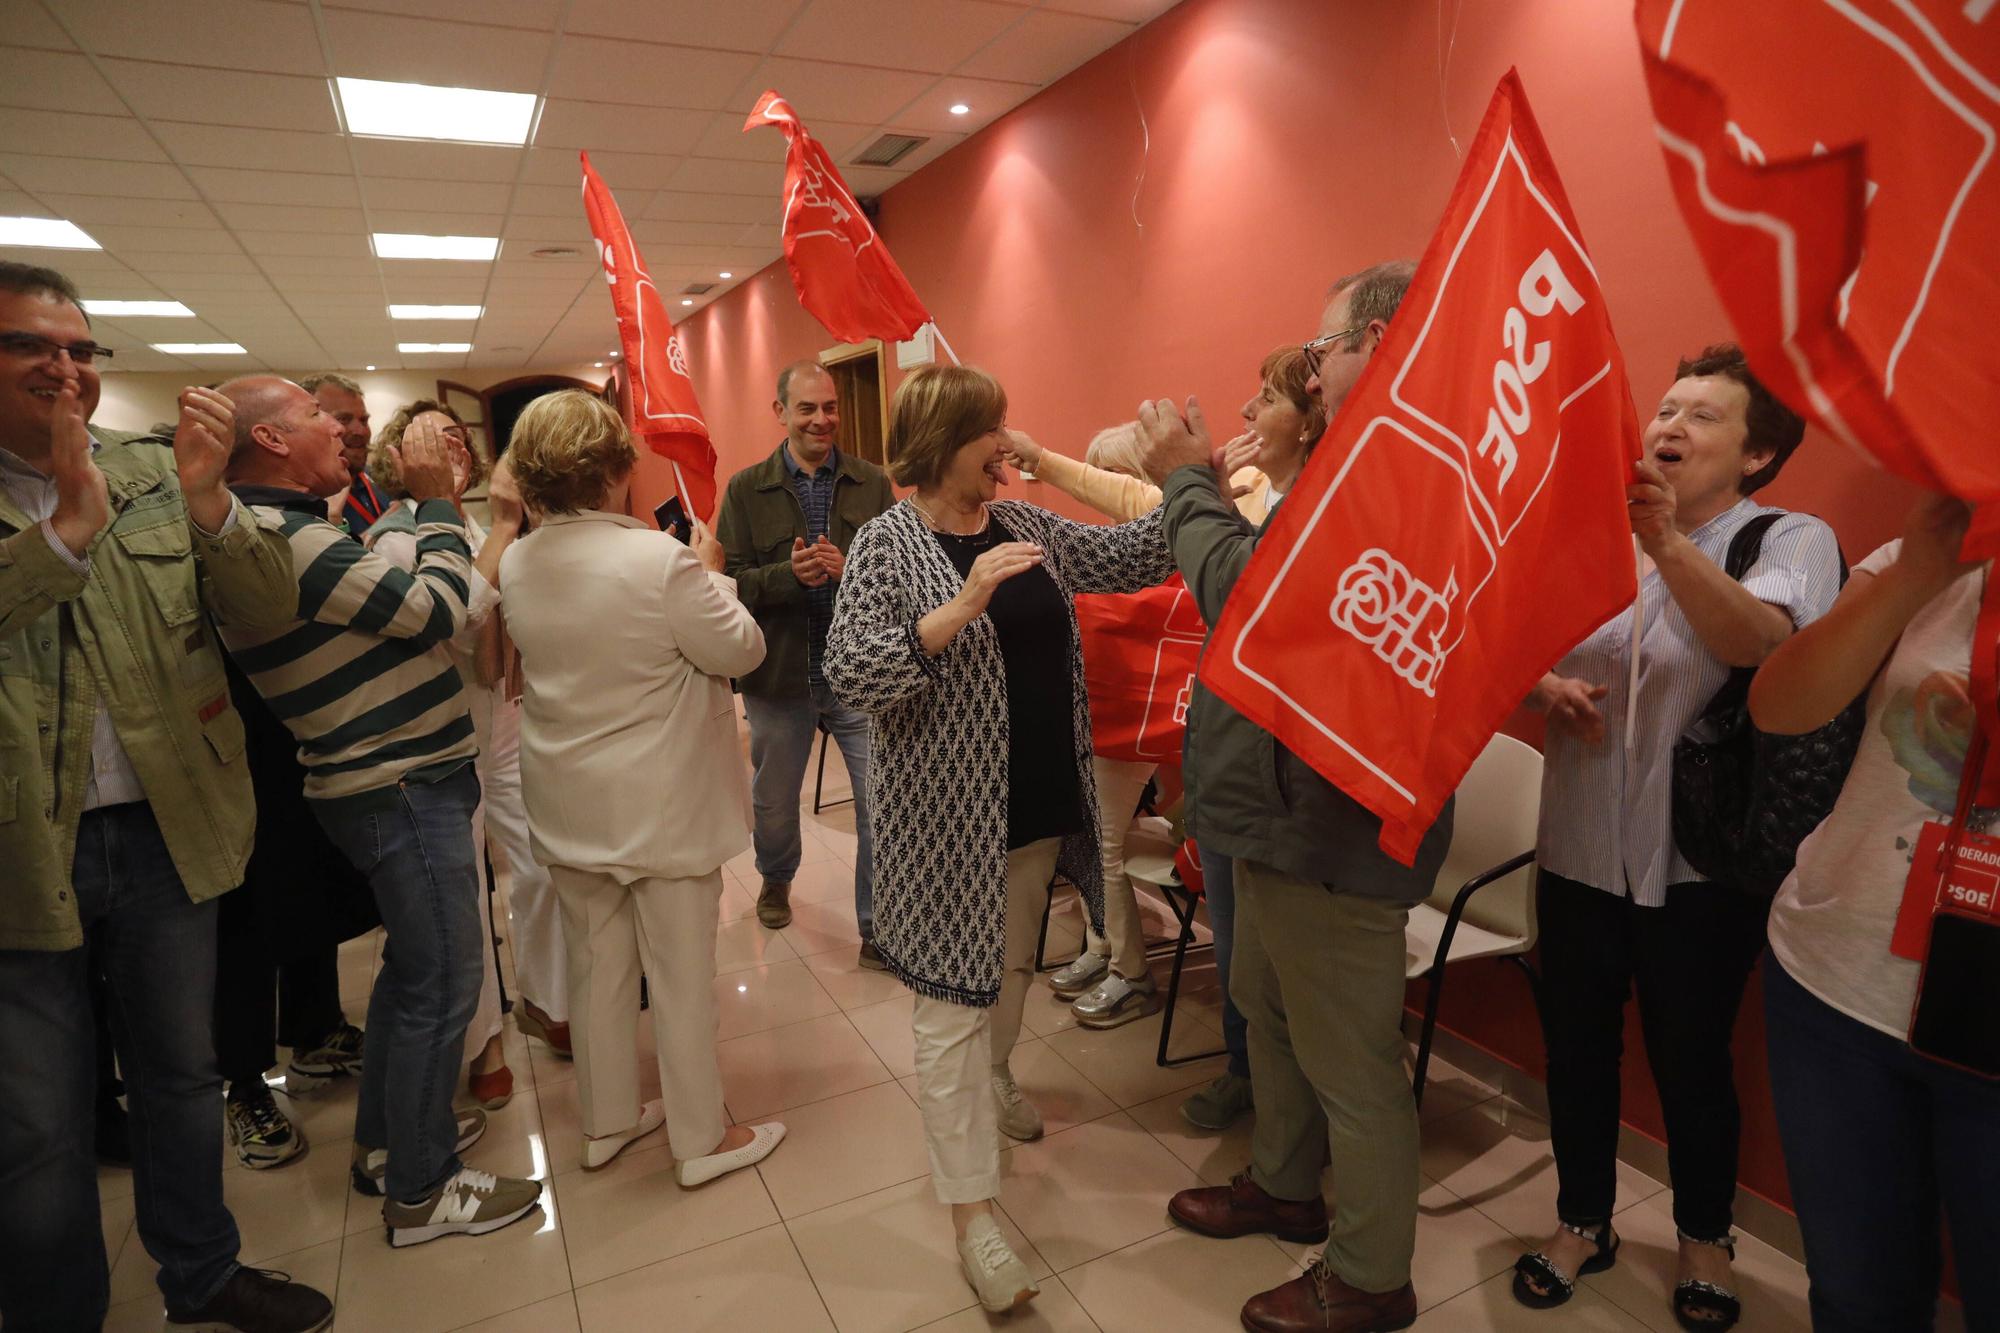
[(1044, 798)]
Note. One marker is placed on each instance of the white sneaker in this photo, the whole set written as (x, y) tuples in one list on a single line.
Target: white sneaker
[(1079, 975), (1115, 1001), (471, 1203), (597, 1153), (1018, 1117), (997, 1275), (700, 1170)]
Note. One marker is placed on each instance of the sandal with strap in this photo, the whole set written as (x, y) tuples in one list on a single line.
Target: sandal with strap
[(1536, 1269), (1703, 1307)]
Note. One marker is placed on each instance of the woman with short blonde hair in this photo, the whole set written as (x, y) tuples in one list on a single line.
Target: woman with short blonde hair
[(577, 450)]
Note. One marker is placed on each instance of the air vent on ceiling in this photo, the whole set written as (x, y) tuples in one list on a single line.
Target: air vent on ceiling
[(555, 252), (697, 288), (889, 150)]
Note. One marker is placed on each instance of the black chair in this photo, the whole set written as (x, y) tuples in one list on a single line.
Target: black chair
[(819, 779)]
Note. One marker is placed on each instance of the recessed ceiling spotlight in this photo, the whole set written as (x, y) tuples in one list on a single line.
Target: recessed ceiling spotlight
[(148, 309), (45, 234), (960, 109), (433, 347), (200, 349), (422, 111), (436, 311), (728, 275), (405, 245), (687, 300), (368, 367), (598, 364)]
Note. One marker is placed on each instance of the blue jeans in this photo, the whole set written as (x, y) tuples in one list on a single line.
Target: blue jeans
[(781, 742), (157, 950), (414, 843), (1218, 874), (1876, 1140)]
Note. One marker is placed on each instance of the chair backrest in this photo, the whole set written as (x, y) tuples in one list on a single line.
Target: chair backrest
[(1499, 806)]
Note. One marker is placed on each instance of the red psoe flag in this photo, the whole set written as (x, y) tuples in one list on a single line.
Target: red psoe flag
[(1834, 162), (664, 411), (1462, 525), (844, 274)]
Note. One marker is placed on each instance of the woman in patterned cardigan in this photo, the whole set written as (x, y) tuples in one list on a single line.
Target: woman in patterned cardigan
[(954, 632)]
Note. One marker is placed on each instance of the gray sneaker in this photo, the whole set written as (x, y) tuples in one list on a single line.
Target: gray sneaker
[(471, 1203), (371, 1165), (337, 1056), (261, 1133), (1018, 1117), (997, 1275), (1115, 1001), (1079, 974), (1218, 1105)]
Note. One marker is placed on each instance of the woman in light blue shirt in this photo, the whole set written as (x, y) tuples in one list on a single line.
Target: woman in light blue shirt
[(1618, 903)]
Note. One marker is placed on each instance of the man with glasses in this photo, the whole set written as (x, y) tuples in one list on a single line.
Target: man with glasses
[(125, 812), (1317, 967)]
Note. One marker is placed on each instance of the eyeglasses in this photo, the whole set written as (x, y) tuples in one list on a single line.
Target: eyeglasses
[(1316, 350), (34, 347)]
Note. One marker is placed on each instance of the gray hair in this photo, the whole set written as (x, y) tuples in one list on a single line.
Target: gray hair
[(1376, 292), (1116, 449)]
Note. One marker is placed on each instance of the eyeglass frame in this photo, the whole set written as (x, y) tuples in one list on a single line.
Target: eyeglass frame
[(1314, 351), (23, 343)]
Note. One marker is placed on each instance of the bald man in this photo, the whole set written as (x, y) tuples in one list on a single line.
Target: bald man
[(364, 679)]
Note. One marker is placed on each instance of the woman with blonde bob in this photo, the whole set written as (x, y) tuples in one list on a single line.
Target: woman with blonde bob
[(955, 633), (629, 761)]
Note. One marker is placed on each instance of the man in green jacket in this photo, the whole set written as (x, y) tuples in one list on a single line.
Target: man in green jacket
[(785, 526), (1317, 967), (125, 811)]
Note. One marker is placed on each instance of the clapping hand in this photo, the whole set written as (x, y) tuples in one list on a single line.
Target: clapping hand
[(1168, 441), (424, 460), (831, 562), (202, 443), (1232, 458), (83, 503), (806, 565), (503, 497)]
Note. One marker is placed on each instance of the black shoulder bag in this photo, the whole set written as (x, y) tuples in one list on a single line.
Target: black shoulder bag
[(1743, 800)]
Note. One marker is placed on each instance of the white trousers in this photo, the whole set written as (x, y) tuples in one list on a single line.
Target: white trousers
[(960, 1047), (665, 928), (485, 1024), (1120, 783), (541, 969)]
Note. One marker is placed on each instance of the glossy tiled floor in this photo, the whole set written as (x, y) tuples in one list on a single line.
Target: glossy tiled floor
[(838, 1230)]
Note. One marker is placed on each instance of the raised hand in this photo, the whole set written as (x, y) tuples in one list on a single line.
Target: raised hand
[(1932, 536), (806, 567), (503, 497), (1168, 441), (83, 504), (424, 460), (1232, 458), (1022, 451), (202, 442), (1650, 502)]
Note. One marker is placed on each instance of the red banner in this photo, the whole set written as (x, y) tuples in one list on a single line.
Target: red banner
[(1462, 525), (664, 411), (1834, 160), (1139, 656), (845, 276)]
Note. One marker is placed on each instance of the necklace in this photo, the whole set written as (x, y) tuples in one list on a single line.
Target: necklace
[(930, 520)]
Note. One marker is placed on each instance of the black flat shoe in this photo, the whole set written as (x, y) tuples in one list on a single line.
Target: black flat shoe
[(1536, 1269)]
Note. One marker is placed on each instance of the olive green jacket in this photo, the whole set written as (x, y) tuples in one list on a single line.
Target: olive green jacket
[(133, 632)]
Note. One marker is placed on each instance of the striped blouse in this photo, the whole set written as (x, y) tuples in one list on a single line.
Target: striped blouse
[(364, 677), (1607, 817)]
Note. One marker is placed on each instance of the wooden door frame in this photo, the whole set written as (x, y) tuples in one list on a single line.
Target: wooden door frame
[(841, 353)]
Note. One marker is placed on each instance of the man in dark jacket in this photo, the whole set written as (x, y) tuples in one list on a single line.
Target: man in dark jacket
[(1317, 967), (786, 524)]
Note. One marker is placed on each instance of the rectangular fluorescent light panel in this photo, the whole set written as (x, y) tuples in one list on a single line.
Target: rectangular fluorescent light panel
[(45, 234), (404, 245), (200, 349), (436, 311), (433, 347), (148, 309), (421, 111)]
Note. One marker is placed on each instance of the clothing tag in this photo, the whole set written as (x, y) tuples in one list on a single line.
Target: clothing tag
[(1946, 875)]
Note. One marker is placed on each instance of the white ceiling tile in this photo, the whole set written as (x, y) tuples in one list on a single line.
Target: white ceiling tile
[(413, 160), (741, 25), (594, 69), (459, 55), (545, 201), (76, 263), (530, 289), (988, 99), (434, 222), (14, 204), (469, 196), (225, 34), (507, 13), (818, 90), (266, 150), (715, 175), (930, 35), (1044, 47), (727, 138), (649, 232), (295, 188), (206, 97), (137, 180), (113, 138), (303, 243), (158, 264), (594, 125), (167, 240), (527, 233), (683, 206), (435, 291), (1135, 11), (623, 172), (85, 209), (289, 217), (53, 81), (218, 282), (27, 24), (346, 266)]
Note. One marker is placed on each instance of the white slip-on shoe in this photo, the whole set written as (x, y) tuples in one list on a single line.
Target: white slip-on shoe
[(597, 1153), (997, 1275), (1018, 1117), (695, 1171)]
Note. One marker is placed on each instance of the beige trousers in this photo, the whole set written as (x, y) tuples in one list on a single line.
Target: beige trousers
[(665, 928), (1119, 784), (960, 1047)]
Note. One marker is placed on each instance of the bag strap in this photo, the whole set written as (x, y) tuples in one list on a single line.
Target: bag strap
[(1748, 544)]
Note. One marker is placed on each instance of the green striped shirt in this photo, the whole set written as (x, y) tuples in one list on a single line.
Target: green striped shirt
[(364, 677)]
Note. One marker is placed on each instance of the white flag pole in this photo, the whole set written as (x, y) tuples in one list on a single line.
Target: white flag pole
[(945, 343), (1638, 634)]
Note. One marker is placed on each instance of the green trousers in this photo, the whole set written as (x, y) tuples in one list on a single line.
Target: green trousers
[(1318, 975)]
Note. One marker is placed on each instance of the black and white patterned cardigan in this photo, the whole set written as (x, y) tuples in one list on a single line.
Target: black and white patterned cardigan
[(937, 778)]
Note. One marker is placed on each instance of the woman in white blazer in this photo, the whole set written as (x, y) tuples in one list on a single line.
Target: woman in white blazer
[(634, 783)]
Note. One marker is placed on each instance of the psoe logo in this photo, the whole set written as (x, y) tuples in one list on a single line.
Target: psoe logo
[(676, 357), (1380, 602)]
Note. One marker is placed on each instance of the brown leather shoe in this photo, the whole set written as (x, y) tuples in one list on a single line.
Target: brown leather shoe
[(1242, 1208), (774, 905), (1317, 1301)]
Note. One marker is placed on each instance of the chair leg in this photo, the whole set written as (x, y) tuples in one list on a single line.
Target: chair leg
[(1185, 915), (1520, 960), (1429, 1033), (819, 779), (1042, 940)]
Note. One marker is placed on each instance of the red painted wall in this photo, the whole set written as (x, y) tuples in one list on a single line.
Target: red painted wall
[(1292, 141)]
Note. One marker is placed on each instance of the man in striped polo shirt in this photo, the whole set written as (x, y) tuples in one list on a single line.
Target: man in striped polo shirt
[(365, 683)]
